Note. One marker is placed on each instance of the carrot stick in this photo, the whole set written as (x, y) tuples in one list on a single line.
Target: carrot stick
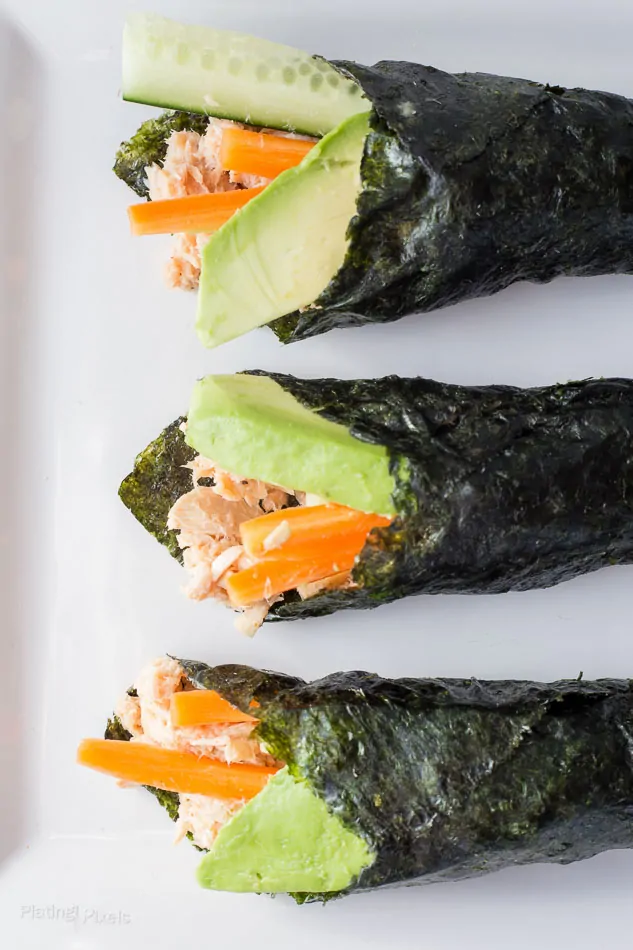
[(305, 526), (193, 214), (171, 770), (261, 153), (198, 707), (319, 549), (273, 576)]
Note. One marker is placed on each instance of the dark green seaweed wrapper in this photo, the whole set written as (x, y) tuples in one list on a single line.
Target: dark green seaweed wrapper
[(471, 182), (448, 779), (497, 488), (159, 478)]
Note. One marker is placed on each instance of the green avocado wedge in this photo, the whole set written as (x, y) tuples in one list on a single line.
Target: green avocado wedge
[(280, 252), (253, 427), (284, 840)]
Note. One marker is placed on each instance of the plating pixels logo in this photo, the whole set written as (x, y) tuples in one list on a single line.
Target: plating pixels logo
[(74, 914)]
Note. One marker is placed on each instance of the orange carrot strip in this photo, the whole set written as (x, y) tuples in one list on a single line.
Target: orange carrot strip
[(275, 575), (261, 153), (193, 214), (307, 525), (198, 707), (171, 770), (319, 549)]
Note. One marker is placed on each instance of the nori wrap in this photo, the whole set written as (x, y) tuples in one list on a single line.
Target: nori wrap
[(496, 488), (471, 182), (444, 778)]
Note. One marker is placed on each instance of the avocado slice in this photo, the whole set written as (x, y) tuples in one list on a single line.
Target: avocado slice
[(284, 839), (279, 252), (250, 426)]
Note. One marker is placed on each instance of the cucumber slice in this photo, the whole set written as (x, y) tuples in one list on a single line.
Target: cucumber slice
[(233, 76)]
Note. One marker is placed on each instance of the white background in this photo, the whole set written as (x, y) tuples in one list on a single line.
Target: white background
[(96, 357)]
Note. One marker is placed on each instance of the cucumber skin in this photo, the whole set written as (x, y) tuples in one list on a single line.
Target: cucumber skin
[(233, 76)]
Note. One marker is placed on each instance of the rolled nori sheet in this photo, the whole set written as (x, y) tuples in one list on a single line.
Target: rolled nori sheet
[(447, 778), (497, 488), (471, 182)]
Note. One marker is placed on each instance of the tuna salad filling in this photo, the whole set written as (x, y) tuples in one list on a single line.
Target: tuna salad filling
[(194, 166), (234, 531), (282, 155), (190, 734), (262, 499), (147, 713)]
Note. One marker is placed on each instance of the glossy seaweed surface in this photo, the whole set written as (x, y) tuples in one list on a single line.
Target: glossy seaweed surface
[(497, 488), (446, 778), (472, 182)]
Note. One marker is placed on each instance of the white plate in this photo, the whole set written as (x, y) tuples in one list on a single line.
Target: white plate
[(97, 357)]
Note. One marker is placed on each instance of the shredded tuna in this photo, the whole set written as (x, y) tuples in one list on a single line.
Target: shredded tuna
[(203, 511), (183, 267), (147, 717), (155, 687), (208, 519), (189, 168), (200, 466), (199, 561), (202, 817), (192, 167), (128, 711), (233, 488)]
